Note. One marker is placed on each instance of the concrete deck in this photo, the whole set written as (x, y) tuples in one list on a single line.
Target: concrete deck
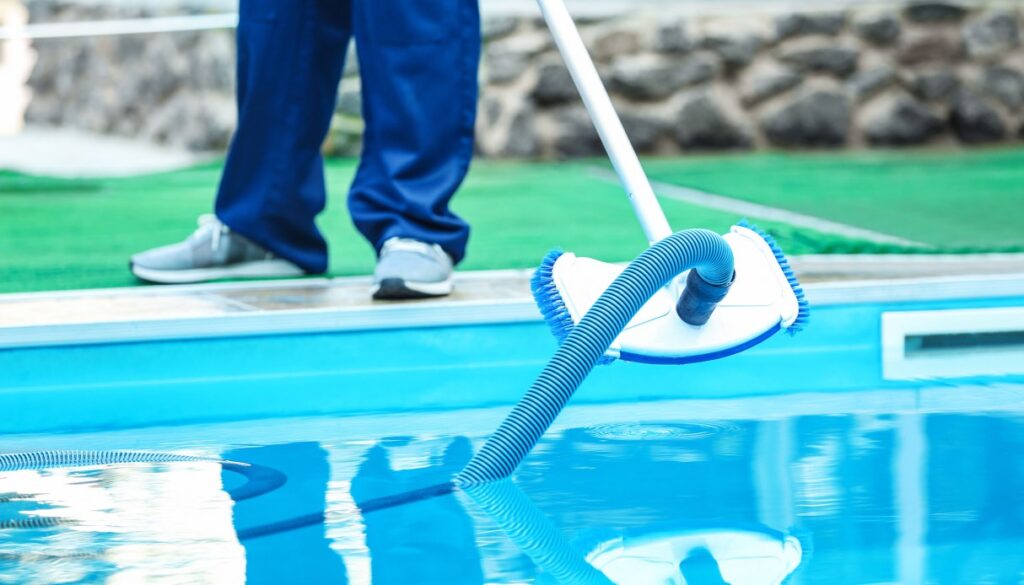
[(310, 305)]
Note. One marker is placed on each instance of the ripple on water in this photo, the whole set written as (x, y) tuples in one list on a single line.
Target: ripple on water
[(691, 431)]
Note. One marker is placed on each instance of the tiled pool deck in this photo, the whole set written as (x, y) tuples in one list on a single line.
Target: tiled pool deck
[(320, 304)]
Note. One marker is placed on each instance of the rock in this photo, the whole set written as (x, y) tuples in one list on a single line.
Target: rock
[(505, 66), (200, 122), (991, 34), (554, 85), (647, 77), (935, 85), (673, 38), (351, 61), (522, 138), (796, 25), (1005, 84), (527, 44), (735, 50), (974, 121), (496, 27), (644, 131), (818, 56), (575, 133), (866, 84), (934, 12), (817, 118), (878, 29), (930, 47), (704, 125), (350, 99), (490, 110), (763, 82), (614, 42), (900, 121)]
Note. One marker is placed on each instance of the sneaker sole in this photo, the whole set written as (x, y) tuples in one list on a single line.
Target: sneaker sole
[(261, 269), (397, 289)]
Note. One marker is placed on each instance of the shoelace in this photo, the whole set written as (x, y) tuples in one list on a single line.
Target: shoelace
[(413, 246), (208, 222)]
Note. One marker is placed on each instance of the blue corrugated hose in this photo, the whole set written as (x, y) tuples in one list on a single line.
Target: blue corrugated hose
[(701, 250)]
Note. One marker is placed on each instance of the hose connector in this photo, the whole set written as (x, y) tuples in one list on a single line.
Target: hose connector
[(700, 298)]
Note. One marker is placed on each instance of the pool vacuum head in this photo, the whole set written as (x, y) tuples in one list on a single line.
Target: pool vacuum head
[(764, 298)]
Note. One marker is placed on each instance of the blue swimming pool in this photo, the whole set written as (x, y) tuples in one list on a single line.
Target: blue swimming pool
[(823, 458)]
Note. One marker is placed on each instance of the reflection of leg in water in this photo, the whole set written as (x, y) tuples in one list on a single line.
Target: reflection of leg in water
[(294, 556), (424, 542), (700, 568)]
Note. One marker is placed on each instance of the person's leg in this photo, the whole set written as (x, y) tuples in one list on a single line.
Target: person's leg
[(418, 60), (290, 57)]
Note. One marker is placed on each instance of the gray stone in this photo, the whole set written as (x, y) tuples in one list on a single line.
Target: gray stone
[(935, 85), (613, 43), (491, 109), (496, 27), (878, 29), (350, 99), (645, 77), (735, 50), (795, 25), (974, 121), (554, 85), (644, 131), (866, 84), (820, 118), (704, 125), (522, 137), (930, 47), (575, 133), (673, 38), (505, 66), (197, 122), (992, 34), (838, 60), (1005, 84), (934, 12), (767, 82), (901, 121)]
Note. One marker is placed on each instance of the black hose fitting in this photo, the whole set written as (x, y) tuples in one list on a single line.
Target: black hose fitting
[(700, 298)]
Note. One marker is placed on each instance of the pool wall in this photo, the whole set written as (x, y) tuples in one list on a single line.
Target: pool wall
[(50, 386)]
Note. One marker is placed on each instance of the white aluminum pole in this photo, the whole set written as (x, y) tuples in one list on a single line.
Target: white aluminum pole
[(607, 122)]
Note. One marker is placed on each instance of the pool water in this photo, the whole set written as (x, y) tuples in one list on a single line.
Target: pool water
[(906, 486)]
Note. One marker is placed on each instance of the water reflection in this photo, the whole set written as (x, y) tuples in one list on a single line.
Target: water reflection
[(431, 541), (297, 555), (882, 498)]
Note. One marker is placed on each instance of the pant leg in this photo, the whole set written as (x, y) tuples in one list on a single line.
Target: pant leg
[(290, 57), (418, 60)]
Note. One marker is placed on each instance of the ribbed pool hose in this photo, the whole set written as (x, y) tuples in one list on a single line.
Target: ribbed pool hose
[(702, 250)]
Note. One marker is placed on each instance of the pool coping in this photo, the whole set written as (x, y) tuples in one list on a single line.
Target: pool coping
[(322, 305)]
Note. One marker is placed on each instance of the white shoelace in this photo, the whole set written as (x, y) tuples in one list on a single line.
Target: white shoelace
[(208, 222), (414, 246)]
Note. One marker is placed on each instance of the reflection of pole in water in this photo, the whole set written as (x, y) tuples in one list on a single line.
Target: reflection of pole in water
[(16, 60), (534, 533)]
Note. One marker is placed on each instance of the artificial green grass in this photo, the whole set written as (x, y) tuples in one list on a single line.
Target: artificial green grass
[(66, 234), (954, 201)]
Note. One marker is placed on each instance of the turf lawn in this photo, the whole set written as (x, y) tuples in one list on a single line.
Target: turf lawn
[(65, 234)]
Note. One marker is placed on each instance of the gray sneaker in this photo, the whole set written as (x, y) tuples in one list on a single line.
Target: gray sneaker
[(410, 269), (212, 252)]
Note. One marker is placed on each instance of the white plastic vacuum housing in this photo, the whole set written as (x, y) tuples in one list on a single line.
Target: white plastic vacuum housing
[(760, 303)]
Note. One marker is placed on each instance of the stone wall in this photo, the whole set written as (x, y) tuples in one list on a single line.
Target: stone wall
[(927, 73), (173, 88)]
